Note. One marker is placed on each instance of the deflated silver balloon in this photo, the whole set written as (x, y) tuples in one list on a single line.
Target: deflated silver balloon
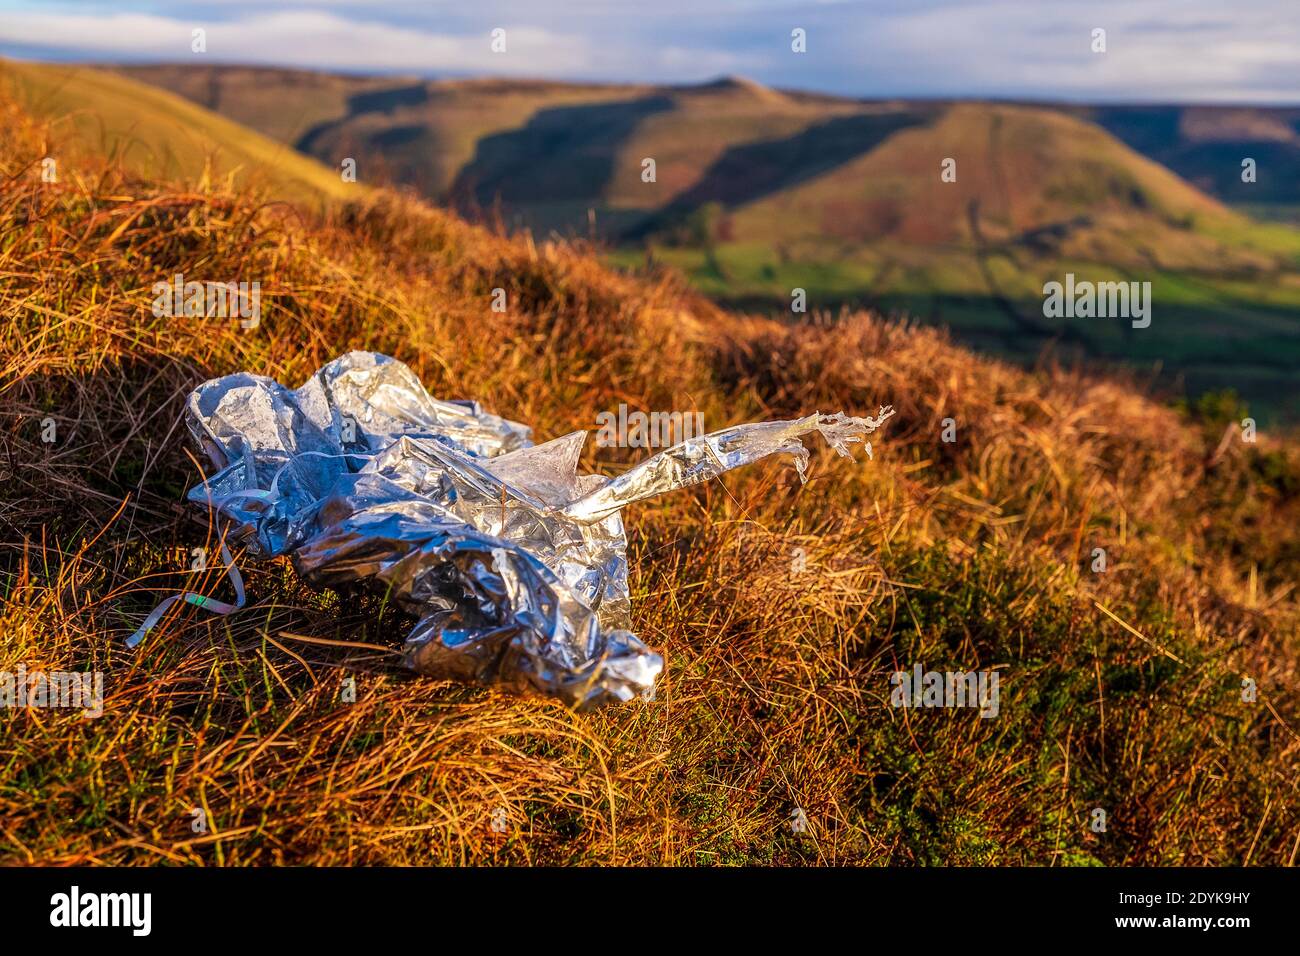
[(514, 563)]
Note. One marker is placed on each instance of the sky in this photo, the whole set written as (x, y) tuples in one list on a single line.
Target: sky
[(1245, 51)]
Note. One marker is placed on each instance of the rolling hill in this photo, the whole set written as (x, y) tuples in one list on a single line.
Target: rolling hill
[(428, 128), (758, 192), (1038, 195), (1206, 145), (158, 134), (406, 131)]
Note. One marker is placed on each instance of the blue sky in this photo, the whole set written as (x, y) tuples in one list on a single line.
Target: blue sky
[(1157, 50)]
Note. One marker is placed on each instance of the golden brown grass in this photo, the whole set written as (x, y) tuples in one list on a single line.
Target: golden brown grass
[(1120, 691)]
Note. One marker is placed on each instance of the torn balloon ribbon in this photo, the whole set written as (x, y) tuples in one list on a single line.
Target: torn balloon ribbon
[(514, 564)]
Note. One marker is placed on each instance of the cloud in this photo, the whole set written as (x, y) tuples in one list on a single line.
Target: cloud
[(1160, 49), (297, 38), (1188, 50), (328, 40)]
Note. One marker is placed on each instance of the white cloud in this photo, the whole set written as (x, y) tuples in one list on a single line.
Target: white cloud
[(300, 38), (319, 39), (1159, 49), (1189, 50)]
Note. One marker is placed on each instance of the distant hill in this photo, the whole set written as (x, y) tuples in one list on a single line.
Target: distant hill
[(158, 134), (403, 130), (758, 192), (1206, 145), (428, 129)]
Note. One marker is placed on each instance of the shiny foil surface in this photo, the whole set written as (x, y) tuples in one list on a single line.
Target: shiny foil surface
[(514, 564)]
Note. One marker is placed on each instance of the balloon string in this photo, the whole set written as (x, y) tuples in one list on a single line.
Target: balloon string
[(198, 600), (215, 503)]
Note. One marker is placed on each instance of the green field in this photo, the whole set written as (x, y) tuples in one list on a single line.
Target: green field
[(1217, 332)]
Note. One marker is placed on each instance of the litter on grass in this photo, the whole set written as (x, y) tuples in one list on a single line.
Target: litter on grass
[(514, 564)]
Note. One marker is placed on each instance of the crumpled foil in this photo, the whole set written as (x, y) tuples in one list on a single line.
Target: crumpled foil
[(514, 563)]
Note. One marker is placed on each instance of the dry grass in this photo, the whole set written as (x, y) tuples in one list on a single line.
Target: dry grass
[(967, 555)]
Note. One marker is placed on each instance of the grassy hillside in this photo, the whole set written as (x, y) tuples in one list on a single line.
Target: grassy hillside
[(429, 128), (405, 130), (285, 105), (1206, 145), (547, 151), (759, 192), (1038, 195), (159, 134), (1120, 690)]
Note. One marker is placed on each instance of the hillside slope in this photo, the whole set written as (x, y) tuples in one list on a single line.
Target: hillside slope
[(406, 131), (416, 120), (1037, 195), (758, 192), (1206, 145), (781, 609), (160, 134)]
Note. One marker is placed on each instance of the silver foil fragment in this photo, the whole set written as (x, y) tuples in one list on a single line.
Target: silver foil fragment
[(514, 563)]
